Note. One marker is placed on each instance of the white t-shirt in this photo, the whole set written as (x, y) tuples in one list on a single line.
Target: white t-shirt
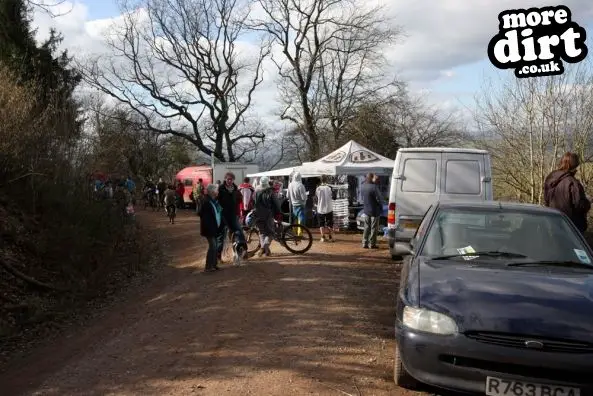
[(325, 202)]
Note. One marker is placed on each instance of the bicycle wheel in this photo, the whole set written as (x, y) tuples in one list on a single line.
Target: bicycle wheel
[(297, 238), (252, 240)]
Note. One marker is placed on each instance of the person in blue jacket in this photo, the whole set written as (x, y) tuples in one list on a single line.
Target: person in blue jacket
[(372, 208)]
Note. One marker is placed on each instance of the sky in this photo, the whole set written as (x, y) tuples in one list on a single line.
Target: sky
[(443, 54)]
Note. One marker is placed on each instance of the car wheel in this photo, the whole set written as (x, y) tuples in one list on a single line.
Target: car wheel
[(395, 257), (400, 376)]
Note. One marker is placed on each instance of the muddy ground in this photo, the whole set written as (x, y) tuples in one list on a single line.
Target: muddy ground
[(317, 324)]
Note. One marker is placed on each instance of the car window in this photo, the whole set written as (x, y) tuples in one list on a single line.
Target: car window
[(538, 236), (420, 231)]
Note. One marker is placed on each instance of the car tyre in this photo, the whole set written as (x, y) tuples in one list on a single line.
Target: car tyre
[(396, 257), (400, 376)]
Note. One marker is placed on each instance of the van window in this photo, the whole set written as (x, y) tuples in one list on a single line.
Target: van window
[(462, 177), (187, 182), (420, 175)]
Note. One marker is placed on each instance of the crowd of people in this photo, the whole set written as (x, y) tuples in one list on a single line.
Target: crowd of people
[(122, 195), (224, 205)]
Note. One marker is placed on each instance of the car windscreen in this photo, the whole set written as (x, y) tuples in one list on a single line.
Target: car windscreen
[(531, 234)]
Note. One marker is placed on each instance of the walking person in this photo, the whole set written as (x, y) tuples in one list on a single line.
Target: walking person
[(161, 187), (372, 208), (248, 198), (564, 192), (180, 191), (170, 198), (297, 195), (266, 208), (210, 225), (198, 194), (229, 197), (325, 214)]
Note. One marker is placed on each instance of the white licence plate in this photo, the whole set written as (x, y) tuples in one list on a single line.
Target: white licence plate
[(502, 387)]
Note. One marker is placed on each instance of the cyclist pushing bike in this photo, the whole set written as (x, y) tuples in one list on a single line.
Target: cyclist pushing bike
[(266, 208)]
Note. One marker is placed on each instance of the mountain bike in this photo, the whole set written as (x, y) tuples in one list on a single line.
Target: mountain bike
[(296, 238)]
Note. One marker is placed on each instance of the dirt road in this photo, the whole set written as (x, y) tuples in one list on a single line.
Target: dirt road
[(318, 324)]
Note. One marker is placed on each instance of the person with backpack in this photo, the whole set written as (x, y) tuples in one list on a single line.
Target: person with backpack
[(325, 214), (266, 208)]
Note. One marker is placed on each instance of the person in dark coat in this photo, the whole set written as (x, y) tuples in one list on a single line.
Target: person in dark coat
[(229, 197), (372, 209), (562, 191), (210, 225), (266, 208)]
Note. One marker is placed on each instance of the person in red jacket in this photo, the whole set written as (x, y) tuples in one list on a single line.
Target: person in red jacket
[(247, 198)]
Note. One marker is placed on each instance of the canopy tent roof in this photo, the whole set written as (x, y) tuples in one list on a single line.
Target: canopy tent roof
[(274, 173), (350, 159)]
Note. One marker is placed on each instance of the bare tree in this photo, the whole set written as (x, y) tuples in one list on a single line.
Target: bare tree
[(402, 121), (176, 64), (282, 149), (352, 68), (328, 48), (528, 123), (50, 7), (417, 124)]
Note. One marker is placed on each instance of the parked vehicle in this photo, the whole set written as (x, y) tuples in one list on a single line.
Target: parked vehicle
[(496, 298), (189, 176), (422, 176)]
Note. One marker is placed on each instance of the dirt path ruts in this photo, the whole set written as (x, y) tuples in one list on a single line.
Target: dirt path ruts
[(315, 324)]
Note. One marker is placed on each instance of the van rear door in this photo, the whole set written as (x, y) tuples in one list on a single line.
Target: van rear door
[(418, 186), (465, 176)]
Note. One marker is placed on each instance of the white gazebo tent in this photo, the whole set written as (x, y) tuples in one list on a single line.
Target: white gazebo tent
[(274, 173), (350, 159)]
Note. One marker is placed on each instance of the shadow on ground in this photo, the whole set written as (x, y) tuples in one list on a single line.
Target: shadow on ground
[(319, 323)]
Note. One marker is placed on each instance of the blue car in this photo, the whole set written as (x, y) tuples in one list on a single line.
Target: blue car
[(496, 298), (382, 220)]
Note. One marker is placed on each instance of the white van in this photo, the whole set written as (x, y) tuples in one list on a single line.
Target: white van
[(423, 175)]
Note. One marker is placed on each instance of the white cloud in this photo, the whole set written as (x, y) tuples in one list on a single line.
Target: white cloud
[(445, 34), (440, 36)]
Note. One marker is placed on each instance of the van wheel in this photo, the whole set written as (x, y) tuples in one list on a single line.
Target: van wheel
[(396, 257), (400, 376)]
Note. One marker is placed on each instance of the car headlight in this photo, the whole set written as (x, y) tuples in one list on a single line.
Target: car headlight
[(428, 321)]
